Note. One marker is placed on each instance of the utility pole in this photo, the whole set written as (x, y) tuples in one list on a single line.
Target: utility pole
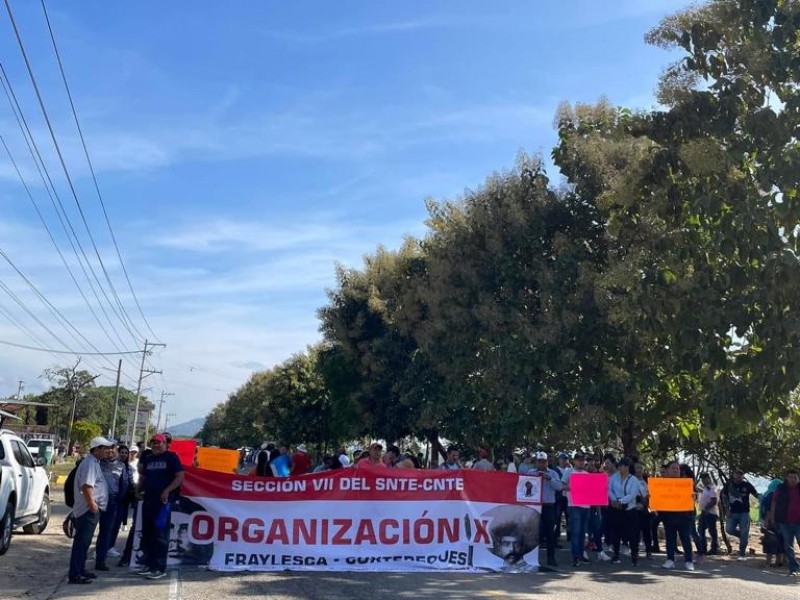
[(113, 429), (166, 419), (75, 390), (142, 374), (19, 390), (160, 406)]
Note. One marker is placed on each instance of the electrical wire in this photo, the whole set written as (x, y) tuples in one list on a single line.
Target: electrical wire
[(126, 320), (63, 218), (91, 169), (54, 351)]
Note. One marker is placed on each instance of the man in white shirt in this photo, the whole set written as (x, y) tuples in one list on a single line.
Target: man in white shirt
[(91, 497), (709, 515)]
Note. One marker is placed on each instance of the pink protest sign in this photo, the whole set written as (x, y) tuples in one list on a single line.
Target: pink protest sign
[(588, 489)]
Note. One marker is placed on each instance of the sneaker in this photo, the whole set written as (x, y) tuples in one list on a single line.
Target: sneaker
[(668, 564), (113, 553), (794, 574), (585, 556), (576, 562), (615, 560), (742, 559), (157, 575), (603, 556), (143, 571), (690, 566), (626, 551)]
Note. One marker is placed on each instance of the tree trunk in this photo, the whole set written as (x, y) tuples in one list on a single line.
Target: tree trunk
[(436, 448), (630, 445)]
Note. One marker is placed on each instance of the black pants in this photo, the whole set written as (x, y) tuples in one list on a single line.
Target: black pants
[(561, 512), (646, 529), (654, 521), (624, 524), (708, 522), (155, 540), (547, 530)]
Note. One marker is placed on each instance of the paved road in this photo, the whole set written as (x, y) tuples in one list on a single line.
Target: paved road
[(35, 569)]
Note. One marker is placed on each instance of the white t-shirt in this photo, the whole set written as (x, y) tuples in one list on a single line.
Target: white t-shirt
[(344, 460), (512, 467), (708, 494), (565, 479)]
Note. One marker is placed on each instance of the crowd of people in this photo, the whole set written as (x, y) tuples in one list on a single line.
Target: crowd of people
[(108, 484), (625, 526), (112, 479)]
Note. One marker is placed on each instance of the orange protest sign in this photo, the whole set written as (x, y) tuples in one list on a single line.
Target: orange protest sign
[(671, 494), (217, 459)]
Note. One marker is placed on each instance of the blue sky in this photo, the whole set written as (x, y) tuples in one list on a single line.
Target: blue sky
[(243, 148)]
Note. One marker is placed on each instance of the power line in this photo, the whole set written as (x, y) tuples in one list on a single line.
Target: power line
[(52, 351), (68, 177), (62, 215), (91, 169), (53, 310), (52, 239)]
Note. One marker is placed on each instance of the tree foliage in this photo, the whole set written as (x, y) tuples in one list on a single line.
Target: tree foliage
[(648, 303)]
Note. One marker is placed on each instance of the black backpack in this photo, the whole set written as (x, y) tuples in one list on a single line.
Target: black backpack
[(69, 486)]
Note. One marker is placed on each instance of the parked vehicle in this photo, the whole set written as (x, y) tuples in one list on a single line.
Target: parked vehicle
[(24, 489), (44, 447)]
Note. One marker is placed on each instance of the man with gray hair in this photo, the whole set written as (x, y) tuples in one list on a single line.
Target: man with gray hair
[(91, 498)]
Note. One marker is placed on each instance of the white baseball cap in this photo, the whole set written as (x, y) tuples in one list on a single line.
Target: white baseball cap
[(101, 441), (541, 456)]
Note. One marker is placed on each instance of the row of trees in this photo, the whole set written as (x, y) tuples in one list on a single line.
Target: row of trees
[(647, 300), (94, 405)]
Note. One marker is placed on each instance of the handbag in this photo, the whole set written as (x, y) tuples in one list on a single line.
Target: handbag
[(162, 519)]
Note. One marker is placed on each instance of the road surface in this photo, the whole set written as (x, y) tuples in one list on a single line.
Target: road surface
[(35, 569)]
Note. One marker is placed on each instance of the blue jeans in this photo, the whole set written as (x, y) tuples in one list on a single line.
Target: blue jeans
[(738, 525), (790, 534), (578, 521), (109, 529), (84, 531)]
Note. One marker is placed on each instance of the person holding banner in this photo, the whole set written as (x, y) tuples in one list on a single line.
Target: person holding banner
[(578, 515), (551, 483), (161, 475), (678, 523), (623, 489)]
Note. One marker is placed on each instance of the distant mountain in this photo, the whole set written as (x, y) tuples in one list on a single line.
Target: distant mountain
[(188, 429)]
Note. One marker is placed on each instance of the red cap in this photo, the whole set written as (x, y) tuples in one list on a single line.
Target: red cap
[(159, 437)]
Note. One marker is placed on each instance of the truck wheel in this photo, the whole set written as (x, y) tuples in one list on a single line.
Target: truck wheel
[(44, 518), (6, 525)]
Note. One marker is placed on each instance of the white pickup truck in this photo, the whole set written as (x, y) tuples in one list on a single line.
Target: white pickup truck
[(24, 489)]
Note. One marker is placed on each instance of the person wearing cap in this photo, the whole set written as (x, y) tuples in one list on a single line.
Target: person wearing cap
[(301, 461), (452, 462), (91, 498), (483, 463), (374, 458), (161, 476), (551, 483)]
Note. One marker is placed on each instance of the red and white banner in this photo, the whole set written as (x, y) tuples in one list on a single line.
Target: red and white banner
[(359, 519)]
